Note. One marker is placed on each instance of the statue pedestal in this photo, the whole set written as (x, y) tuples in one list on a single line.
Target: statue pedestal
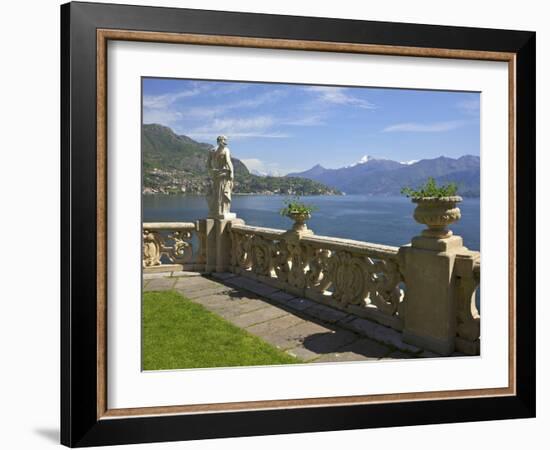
[(218, 242), (427, 266), (226, 216)]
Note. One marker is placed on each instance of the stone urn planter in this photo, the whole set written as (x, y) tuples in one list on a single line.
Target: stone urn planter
[(437, 213), (300, 219), (300, 213)]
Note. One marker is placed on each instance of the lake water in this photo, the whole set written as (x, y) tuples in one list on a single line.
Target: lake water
[(381, 220)]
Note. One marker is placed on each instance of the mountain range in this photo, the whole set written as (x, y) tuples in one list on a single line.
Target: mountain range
[(173, 163), (176, 163), (378, 176)]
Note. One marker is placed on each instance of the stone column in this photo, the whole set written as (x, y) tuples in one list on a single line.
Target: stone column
[(208, 225), (430, 310), (223, 244), (218, 244)]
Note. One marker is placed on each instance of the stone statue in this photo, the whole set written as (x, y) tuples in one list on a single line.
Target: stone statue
[(220, 168)]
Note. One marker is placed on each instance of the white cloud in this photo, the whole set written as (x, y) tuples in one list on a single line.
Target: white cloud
[(238, 128), (165, 100), (304, 121), (164, 117), (164, 104), (208, 121), (266, 97), (259, 167), (434, 127), (339, 96), (254, 164), (230, 88), (242, 124)]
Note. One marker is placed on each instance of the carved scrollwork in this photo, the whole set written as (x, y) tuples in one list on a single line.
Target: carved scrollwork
[(261, 255), (384, 279), (281, 260), (243, 255), (298, 263), (349, 278), (318, 274), (174, 245), (343, 271), (180, 251), (152, 244)]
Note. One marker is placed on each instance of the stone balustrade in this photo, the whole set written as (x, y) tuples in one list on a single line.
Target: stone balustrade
[(426, 289), (168, 246), (353, 276)]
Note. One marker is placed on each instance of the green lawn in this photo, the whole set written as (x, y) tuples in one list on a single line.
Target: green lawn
[(180, 334)]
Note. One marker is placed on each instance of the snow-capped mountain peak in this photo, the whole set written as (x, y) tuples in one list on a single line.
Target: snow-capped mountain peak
[(267, 173), (408, 163), (364, 160)]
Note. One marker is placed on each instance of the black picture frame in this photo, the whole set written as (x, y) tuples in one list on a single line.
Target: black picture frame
[(80, 425)]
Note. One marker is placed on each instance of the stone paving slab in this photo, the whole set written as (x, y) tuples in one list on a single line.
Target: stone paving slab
[(299, 304), (258, 316), (199, 286), (275, 326), (367, 348), (232, 309), (191, 284), (295, 336), (197, 293), (160, 284), (223, 275), (379, 333), (151, 276), (325, 313), (303, 353), (183, 273), (340, 356), (329, 342), (251, 285), (356, 349), (220, 301), (280, 297)]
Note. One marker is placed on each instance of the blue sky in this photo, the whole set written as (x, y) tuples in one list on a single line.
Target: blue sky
[(281, 128)]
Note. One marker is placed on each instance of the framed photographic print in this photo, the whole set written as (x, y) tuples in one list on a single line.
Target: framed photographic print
[(274, 224)]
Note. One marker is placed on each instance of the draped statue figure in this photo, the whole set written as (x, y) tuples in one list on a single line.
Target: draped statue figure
[(220, 168)]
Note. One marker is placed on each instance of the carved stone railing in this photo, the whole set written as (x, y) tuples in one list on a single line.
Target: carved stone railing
[(354, 276), (468, 268), (168, 246), (426, 290)]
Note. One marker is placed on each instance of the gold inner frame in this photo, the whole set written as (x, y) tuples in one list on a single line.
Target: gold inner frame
[(104, 35)]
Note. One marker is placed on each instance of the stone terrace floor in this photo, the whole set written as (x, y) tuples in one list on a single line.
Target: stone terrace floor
[(300, 327)]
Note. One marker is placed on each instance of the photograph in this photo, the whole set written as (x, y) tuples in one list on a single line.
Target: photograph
[(303, 224)]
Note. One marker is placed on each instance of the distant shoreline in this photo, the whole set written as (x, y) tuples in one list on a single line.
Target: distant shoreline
[(249, 194), (244, 194)]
